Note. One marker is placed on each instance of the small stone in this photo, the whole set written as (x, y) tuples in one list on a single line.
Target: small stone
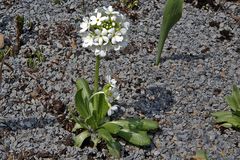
[(1, 40), (156, 153), (59, 45)]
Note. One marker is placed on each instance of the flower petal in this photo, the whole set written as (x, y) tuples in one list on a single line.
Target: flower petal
[(99, 14), (123, 31), (100, 41), (104, 31), (97, 31), (126, 24), (105, 38), (114, 107), (113, 40), (119, 38)]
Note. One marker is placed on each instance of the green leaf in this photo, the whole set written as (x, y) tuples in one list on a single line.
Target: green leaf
[(83, 84), (148, 124), (76, 127), (232, 103), (172, 14), (111, 127), (201, 155), (227, 125), (114, 148), (137, 124), (224, 118), (91, 121), (236, 95), (104, 134), (235, 121), (221, 114), (78, 140), (139, 138), (81, 105), (102, 105), (228, 119)]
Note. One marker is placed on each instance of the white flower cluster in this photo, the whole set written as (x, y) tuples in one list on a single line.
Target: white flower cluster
[(114, 95), (105, 30)]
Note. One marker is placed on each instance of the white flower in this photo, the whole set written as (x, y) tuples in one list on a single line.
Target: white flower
[(84, 25), (87, 41), (110, 10), (123, 31), (117, 38), (101, 53), (97, 19), (113, 18), (111, 81), (117, 47), (114, 95), (126, 25), (101, 37), (112, 109)]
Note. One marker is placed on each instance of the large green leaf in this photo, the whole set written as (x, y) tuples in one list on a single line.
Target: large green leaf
[(102, 105), (81, 105), (137, 124), (104, 134), (227, 125), (114, 148), (78, 140), (111, 127), (223, 118), (83, 85), (235, 121), (91, 121), (139, 138), (172, 14), (221, 114)]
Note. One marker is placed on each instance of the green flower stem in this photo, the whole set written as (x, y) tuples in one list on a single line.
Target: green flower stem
[(96, 77)]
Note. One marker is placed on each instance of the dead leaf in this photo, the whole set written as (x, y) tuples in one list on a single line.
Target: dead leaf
[(73, 43), (1, 40)]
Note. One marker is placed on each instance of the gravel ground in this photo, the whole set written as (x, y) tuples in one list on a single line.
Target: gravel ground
[(201, 62)]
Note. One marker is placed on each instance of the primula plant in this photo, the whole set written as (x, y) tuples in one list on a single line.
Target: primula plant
[(230, 119), (105, 30)]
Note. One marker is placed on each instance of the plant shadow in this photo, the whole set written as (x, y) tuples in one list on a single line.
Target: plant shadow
[(156, 99), (27, 123), (185, 57)]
